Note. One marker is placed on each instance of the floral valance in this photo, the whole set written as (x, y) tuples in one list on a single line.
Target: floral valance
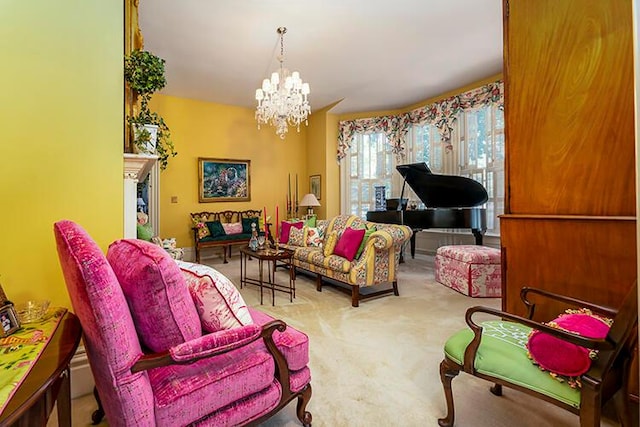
[(441, 114)]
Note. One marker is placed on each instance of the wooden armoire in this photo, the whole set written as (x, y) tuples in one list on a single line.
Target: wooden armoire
[(570, 218)]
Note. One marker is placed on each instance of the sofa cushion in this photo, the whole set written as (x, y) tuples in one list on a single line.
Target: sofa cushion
[(330, 243), (226, 238), (209, 384), (157, 294), (202, 230), (216, 229), (561, 357), (311, 221), (368, 232), (312, 236), (144, 232), (232, 228), (217, 300), (285, 229), (246, 224), (349, 243), (296, 237)]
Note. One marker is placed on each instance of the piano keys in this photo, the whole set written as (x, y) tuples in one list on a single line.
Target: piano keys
[(450, 202)]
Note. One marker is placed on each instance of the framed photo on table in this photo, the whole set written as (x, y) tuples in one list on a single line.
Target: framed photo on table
[(314, 186), (224, 180), (8, 320)]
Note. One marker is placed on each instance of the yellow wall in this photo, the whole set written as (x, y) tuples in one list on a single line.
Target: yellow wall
[(204, 129), (332, 189), (316, 156), (60, 135)]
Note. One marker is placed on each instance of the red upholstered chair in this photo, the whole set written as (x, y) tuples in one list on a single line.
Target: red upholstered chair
[(235, 376), (496, 351)]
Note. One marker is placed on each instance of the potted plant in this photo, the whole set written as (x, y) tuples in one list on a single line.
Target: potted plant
[(144, 73)]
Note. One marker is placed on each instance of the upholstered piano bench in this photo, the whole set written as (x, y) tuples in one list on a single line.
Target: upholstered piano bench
[(470, 269)]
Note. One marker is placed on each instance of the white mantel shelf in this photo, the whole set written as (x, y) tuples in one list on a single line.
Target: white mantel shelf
[(137, 166), (136, 169)]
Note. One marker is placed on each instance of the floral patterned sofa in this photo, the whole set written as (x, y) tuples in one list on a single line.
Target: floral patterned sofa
[(377, 263)]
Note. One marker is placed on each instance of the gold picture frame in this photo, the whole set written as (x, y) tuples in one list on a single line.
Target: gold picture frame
[(224, 180)]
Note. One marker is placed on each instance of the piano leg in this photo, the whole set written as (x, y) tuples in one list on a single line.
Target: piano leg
[(413, 244), (478, 235), (413, 248)]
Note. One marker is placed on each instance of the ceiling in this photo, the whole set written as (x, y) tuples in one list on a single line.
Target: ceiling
[(368, 54)]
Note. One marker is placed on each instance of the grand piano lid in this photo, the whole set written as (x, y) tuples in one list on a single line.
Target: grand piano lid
[(442, 191)]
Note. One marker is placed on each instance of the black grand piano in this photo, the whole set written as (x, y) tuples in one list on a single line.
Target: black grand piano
[(451, 202)]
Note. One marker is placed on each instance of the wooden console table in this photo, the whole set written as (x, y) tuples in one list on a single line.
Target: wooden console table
[(47, 382)]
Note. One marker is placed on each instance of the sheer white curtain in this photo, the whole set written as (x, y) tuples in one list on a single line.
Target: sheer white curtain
[(369, 163)]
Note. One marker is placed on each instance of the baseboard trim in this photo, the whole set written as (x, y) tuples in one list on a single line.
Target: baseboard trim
[(81, 377)]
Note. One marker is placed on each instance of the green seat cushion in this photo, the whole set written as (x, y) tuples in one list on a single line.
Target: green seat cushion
[(242, 236), (502, 354), (226, 238)]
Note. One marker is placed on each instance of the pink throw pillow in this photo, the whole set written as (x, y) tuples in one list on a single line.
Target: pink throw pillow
[(232, 228), (285, 229), (561, 357), (349, 242), (219, 303), (157, 294)]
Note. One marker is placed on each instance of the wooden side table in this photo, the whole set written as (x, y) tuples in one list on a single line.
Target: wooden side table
[(47, 382), (271, 257)]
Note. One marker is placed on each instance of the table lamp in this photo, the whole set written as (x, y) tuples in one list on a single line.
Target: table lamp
[(309, 200)]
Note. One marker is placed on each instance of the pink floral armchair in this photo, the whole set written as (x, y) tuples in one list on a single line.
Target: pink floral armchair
[(234, 376)]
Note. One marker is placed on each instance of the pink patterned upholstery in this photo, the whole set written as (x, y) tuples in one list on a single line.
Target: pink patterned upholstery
[(470, 269), (229, 377)]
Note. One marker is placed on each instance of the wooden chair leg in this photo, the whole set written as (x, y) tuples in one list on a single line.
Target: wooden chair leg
[(224, 252), (590, 404), (318, 283), (304, 416), (395, 288), (98, 414), (447, 374), (496, 389)]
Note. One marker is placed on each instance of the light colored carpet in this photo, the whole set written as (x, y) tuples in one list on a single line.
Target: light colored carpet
[(378, 365)]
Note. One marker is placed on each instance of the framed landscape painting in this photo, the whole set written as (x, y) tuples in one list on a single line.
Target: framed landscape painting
[(224, 180), (314, 185)]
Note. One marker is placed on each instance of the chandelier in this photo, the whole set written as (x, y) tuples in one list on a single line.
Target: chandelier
[(282, 100)]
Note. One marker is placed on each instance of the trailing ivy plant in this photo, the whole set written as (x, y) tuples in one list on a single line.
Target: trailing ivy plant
[(144, 73)]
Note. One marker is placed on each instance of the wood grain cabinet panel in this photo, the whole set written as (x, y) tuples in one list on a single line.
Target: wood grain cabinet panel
[(570, 107), (587, 258), (570, 219)]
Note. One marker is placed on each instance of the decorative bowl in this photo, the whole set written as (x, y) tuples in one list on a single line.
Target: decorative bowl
[(32, 311)]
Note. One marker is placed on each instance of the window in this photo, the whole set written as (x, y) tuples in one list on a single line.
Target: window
[(480, 151), (369, 163), (474, 149)]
